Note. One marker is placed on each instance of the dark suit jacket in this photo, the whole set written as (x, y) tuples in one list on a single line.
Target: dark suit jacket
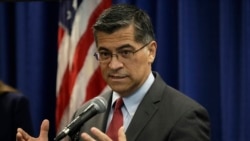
[(15, 113), (164, 114)]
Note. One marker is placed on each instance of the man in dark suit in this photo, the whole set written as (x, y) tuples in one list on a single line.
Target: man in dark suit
[(15, 112), (151, 110)]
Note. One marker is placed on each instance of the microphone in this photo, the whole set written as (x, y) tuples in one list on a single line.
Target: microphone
[(96, 106)]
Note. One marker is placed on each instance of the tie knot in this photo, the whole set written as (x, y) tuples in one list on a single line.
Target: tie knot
[(118, 103)]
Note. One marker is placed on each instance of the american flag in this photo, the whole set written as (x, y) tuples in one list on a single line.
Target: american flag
[(78, 76)]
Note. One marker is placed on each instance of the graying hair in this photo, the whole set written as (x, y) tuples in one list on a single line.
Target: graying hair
[(121, 16)]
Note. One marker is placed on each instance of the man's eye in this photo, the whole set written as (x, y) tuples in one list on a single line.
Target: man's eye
[(125, 53), (104, 54)]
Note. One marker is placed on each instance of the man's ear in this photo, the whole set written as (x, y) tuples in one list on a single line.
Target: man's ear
[(152, 51)]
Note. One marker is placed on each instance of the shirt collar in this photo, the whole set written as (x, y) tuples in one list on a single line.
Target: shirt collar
[(132, 102)]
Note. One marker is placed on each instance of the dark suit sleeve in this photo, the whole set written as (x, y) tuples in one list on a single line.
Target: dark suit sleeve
[(22, 114), (15, 113), (193, 126)]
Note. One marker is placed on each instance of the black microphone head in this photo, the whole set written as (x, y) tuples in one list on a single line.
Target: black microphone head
[(97, 105), (100, 104)]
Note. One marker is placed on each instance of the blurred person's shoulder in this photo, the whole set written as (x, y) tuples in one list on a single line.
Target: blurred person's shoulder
[(4, 88), (10, 95)]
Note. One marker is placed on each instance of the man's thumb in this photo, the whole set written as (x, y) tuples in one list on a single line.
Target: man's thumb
[(44, 129)]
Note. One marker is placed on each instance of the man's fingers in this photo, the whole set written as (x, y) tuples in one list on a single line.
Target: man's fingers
[(121, 134), (87, 137), (102, 136), (22, 135), (99, 134), (44, 129), (19, 137)]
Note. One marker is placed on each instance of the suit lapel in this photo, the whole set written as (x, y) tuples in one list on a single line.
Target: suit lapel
[(147, 108), (140, 120), (144, 113)]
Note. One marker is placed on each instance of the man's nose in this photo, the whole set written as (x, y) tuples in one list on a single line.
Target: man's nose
[(115, 62)]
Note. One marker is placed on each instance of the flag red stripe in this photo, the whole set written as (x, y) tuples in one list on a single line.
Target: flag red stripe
[(60, 36), (69, 78), (63, 98), (84, 44), (96, 85)]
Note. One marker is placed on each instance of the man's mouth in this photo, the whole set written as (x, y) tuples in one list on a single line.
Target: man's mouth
[(117, 76)]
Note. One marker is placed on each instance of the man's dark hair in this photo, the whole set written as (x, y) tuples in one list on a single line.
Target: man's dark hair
[(121, 16)]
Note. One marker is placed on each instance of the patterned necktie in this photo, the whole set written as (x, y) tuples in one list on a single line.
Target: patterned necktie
[(117, 120)]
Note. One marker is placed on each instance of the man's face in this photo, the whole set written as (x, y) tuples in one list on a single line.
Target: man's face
[(125, 75)]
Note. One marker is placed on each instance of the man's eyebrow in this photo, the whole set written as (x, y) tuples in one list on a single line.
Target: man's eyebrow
[(102, 48), (118, 48), (124, 46)]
